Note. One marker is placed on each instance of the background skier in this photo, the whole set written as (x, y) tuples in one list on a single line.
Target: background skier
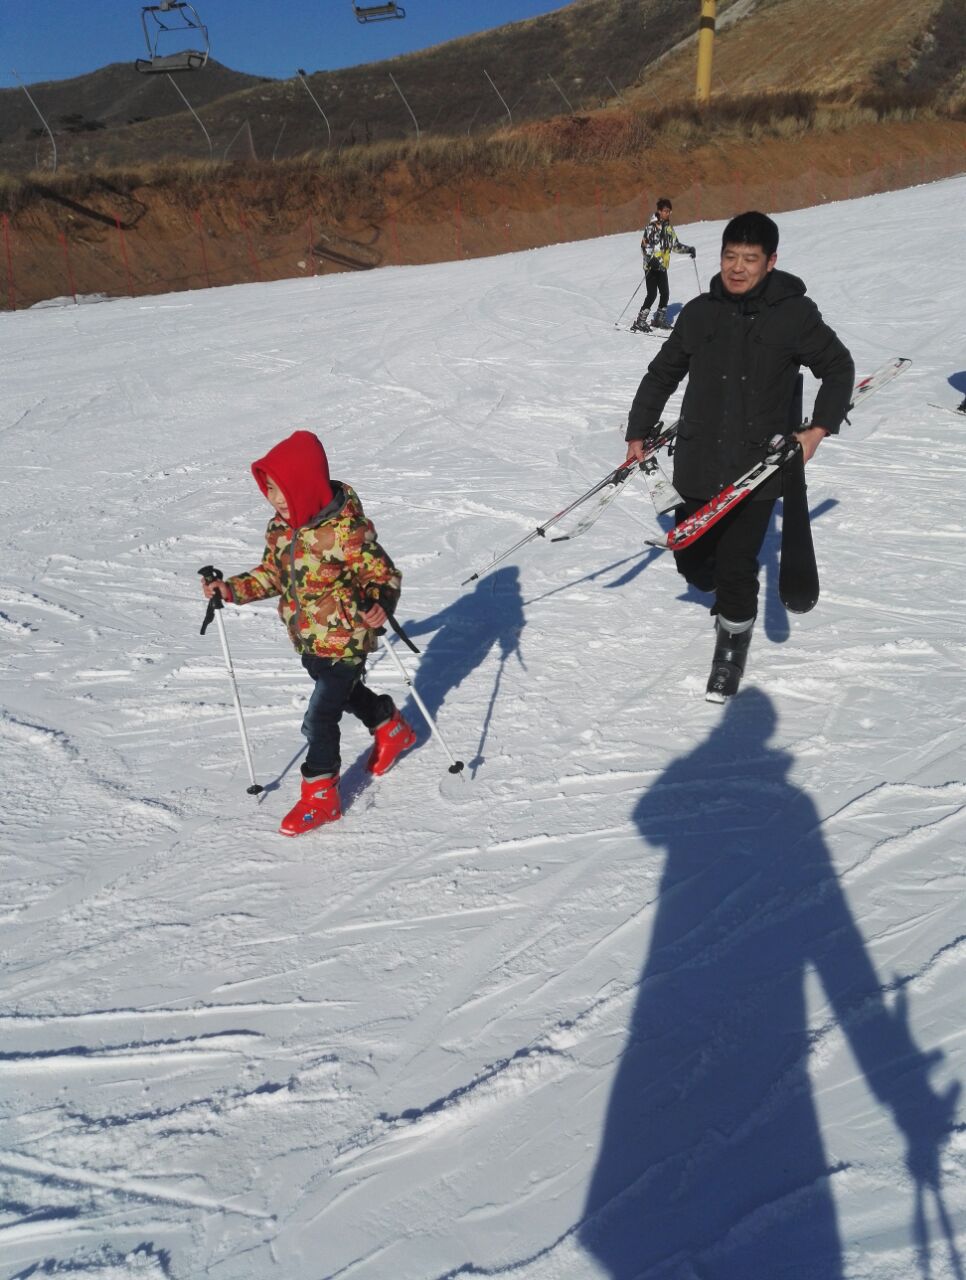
[(658, 242), (741, 346)]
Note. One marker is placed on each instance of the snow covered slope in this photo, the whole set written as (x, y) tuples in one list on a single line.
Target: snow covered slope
[(659, 990)]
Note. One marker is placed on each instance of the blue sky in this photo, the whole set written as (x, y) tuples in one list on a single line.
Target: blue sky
[(56, 39)]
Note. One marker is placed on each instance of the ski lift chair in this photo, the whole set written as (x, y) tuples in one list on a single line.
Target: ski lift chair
[(188, 21), (378, 12)]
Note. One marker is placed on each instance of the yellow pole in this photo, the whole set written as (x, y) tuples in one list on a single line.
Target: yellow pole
[(705, 49)]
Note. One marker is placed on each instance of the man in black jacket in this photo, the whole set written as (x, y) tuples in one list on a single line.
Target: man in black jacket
[(741, 345)]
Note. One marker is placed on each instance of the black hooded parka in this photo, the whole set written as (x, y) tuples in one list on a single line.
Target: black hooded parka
[(742, 356)]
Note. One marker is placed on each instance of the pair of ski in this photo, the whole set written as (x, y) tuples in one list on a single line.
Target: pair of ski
[(606, 490), (798, 574), (798, 584)]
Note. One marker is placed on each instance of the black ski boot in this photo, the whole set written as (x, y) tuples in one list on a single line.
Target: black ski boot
[(728, 663), (660, 319), (640, 325)]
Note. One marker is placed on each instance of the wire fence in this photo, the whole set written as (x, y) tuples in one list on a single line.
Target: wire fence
[(115, 246)]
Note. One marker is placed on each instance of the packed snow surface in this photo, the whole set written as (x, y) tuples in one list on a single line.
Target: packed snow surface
[(657, 989)]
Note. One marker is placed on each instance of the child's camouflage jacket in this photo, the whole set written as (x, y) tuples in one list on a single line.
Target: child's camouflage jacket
[(323, 573)]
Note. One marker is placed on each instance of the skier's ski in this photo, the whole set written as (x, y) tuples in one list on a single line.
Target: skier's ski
[(798, 585), (947, 408), (866, 387), (616, 484), (663, 494), (780, 449)]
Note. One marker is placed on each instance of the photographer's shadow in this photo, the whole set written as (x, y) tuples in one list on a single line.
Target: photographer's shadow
[(712, 1162)]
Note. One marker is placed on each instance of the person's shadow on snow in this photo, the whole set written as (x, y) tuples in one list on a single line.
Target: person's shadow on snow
[(490, 616), (712, 1162)]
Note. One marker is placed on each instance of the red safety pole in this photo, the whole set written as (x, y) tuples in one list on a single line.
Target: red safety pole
[(458, 215), (698, 219), (556, 215), (310, 251), (395, 238), (600, 212), (11, 288), (127, 265), (506, 234), (251, 249), (70, 273), (204, 250)]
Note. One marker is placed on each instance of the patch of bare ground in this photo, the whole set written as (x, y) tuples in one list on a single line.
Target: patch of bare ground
[(574, 177)]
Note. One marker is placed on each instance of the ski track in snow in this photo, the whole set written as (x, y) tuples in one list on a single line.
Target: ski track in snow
[(486, 1024)]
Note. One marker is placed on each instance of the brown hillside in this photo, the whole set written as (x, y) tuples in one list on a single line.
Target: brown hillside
[(235, 225), (825, 47)]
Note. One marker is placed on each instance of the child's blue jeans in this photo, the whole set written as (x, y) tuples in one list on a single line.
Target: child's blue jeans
[(338, 687)]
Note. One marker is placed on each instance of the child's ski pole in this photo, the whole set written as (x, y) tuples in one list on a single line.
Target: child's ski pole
[(215, 605), (630, 300), (456, 766)]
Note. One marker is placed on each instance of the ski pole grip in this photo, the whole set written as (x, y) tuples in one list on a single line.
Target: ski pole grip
[(210, 574)]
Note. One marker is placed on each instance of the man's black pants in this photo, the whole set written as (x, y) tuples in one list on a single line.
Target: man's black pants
[(725, 558), (656, 281)]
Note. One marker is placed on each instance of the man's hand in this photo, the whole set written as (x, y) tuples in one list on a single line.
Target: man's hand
[(810, 439), (635, 450)]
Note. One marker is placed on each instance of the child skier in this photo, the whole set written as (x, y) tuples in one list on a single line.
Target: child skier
[(658, 242), (323, 562)]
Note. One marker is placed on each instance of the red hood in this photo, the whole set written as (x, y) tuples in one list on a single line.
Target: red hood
[(299, 467)]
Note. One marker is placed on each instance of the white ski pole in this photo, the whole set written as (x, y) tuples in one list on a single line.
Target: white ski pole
[(694, 263), (215, 605), (456, 766)]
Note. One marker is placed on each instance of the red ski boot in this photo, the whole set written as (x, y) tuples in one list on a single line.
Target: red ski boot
[(392, 739), (319, 803)]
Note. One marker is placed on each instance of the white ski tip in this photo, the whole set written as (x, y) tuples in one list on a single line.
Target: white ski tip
[(718, 698)]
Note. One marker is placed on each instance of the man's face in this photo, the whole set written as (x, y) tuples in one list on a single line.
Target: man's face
[(744, 266)]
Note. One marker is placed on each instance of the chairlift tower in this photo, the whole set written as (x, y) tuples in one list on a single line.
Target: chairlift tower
[(705, 49)]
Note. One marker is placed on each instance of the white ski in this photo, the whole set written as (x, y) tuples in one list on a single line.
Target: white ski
[(866, 387), (616, 486), (663, 493)]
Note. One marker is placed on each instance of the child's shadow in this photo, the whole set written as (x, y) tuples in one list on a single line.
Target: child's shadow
[(465, 633)]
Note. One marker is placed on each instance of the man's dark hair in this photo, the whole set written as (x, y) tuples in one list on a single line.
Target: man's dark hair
[(664, 203), (752, 228)]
